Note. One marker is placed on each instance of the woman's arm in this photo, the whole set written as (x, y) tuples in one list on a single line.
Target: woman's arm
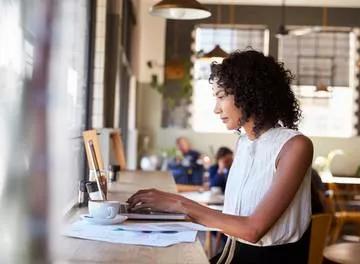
[(292, 164)]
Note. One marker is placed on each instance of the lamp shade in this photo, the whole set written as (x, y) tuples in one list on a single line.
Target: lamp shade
[(282, 31), (216, 52), (180, 9)]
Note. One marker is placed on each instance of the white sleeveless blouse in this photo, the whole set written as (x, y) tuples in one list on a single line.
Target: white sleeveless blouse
[(250, 177)]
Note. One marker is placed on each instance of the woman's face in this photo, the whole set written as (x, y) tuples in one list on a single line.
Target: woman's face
[(225, 108)]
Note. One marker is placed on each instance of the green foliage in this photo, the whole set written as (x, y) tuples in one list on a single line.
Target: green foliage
[(170, 101), (156, 85), (357, 174), (169, 152), (185, 88)]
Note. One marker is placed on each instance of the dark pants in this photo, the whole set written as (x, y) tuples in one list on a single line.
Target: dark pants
[(292, 253)]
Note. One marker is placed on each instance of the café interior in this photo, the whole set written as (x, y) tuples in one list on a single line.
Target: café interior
[(131, 76)]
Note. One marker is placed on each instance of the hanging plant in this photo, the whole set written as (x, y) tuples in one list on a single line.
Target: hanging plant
[(177, 72)]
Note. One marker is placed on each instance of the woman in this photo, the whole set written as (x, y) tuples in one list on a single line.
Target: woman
[(267, 209), (218, 172)]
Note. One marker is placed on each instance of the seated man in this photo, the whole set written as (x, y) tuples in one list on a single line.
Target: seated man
[(187, 167), (218, 172)]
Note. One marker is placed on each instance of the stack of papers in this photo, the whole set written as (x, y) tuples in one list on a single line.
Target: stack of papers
[(161, 234)]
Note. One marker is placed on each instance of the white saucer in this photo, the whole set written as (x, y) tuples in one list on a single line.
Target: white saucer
[(97, 221)]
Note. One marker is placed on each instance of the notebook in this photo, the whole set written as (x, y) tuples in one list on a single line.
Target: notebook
[(150, 215)]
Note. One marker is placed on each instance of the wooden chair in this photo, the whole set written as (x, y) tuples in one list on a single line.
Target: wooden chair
[(92, 135), (319, 231), (118, 149), (341, 215)]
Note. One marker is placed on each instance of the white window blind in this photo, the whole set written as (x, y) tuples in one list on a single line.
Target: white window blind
[(318, 58), (322, 63)]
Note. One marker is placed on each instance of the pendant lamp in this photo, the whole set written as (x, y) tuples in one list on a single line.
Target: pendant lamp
[(180, 9), (217, 53), (282, 31)]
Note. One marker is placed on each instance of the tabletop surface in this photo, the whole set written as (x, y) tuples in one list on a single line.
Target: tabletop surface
[(344, 253), (327, 177), (74, 250)]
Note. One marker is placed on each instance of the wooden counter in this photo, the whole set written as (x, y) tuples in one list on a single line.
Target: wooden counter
[(87, 251)]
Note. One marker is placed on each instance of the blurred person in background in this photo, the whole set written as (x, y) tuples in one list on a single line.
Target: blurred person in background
[(218, 172), (186, 167)]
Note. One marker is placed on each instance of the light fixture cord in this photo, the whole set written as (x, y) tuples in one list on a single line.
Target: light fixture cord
[(283, 13), (324, 16), (232, 23), (218, 14), (218, 20)]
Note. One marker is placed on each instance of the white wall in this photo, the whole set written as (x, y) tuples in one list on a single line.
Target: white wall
[(150, 40), (152, 46)]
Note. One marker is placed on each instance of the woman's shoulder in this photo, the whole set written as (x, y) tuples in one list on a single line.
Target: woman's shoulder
[(283, 134), (292, 135), (300, 141), (300, 146), (286, 131), (285, 139)]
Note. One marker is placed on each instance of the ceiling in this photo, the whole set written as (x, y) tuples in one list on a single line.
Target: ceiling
[(329, 3)]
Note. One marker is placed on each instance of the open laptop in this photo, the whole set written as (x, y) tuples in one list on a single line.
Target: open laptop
[(150, 215), (90, 138)]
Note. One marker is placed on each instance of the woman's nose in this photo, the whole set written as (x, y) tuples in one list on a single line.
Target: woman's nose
[(217, 109)]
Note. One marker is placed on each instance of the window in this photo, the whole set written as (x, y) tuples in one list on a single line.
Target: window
[(324, 79), (67, 93), (42, 95), (229, 39), (318, 58)]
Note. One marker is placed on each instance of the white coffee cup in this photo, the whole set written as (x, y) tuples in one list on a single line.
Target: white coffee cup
[(101, 209)]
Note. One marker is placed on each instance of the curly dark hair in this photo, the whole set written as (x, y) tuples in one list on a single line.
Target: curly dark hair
[(261, 87)]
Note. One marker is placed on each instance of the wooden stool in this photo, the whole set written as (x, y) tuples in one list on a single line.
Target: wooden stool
[(344, 253)]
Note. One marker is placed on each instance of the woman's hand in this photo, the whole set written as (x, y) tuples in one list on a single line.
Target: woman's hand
[(155, 200)]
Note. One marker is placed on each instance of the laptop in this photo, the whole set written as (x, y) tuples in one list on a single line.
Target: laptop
[(150, 215)]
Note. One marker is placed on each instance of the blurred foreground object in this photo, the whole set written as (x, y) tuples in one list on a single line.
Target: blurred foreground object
[(25, 30)]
